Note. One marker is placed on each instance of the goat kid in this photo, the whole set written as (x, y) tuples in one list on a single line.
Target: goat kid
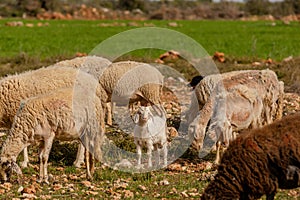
[(151, 132)]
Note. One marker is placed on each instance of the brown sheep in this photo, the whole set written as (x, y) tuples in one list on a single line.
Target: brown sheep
[(259, 162)]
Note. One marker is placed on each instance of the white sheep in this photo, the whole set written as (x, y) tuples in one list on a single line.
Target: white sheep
[(128, 82), (62, 115), (95, 66), (150, 132), (16, 88), (233, 101)]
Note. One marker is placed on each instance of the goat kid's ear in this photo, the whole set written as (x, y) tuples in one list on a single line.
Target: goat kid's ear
[(16, 168), (135, 118)]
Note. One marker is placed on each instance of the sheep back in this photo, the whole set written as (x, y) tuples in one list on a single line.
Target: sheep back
[(122, 79), (15, 88), (93, 65)]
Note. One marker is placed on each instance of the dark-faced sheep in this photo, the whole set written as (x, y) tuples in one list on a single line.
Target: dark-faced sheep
[(231, 102), (259, 162)]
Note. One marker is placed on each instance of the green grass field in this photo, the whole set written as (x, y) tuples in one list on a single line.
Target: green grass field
[(234, 38)]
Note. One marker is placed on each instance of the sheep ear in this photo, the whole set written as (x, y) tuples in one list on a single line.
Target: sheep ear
[(135, 118), (15, 168)]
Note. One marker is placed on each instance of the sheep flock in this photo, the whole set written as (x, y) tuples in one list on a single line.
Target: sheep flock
[(238, 115)]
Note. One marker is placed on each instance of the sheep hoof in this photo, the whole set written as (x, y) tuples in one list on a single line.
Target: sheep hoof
[(139, 166), (78, 164), (89, 177), (24, 164), (40, 180), (216, 162), (50, 177)]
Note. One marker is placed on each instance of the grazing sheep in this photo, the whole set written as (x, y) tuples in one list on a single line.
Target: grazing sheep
[(95, 66), (15, 88), (151, 132), (232, 102), (210, 85), (259, 162), (127, 82), (60, 115)]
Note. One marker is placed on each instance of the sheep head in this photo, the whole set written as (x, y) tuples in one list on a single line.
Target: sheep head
[(197, 131), (7, 168)]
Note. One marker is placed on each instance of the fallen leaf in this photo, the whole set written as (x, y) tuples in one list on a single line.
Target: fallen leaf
[(128, 194), (29, 190), (73, 177), (57, 187), (164, 182), (91, 193), (193, 194), (174, 190), (184, 194), (29, 196), (86, 183), (44, 197), (20, 189), (6, 185), (175, 167), (141, 187), (60, 169)]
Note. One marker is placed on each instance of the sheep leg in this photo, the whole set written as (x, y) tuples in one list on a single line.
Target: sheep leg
[(41, 153), (44, 155), (92, 164), (139, 153), (25, 162), (80, 156), (149, 154), (217, 161), (89, 165), (156, 154), (109, 113), (270, 196), (165, 152), (47, 146)]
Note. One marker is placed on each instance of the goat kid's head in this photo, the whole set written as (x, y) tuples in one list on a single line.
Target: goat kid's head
[(142, 115), (7, 168)]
